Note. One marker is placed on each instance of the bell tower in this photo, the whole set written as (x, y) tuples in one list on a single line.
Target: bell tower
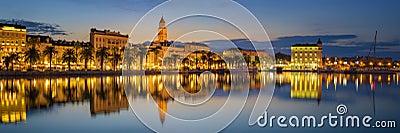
[(162, 31)]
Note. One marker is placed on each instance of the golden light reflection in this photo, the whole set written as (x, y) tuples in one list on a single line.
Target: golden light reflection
[(306, 86), (21, 95)]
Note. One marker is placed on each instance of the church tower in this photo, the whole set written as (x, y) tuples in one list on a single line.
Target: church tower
[(162, 31)]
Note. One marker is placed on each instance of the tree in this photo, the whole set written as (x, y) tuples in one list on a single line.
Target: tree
[(203, 58), (115, 57), (7, 61), (69, 56), (142, 54), (128, 56), (31, 56), (50, 51), (102, 54), (87, 55), (1, 54), (11, 59), (211, 59), (14, 59), (33, 42), (77, 46), (175, 58)]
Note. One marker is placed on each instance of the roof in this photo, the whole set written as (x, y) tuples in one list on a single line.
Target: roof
[(41, 39), (162, 20), (13, 25), (305, 45), (107, 32), (319, 41), (196, 44), (69, 43)]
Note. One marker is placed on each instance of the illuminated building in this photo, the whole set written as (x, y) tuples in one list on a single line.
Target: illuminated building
[(12, 39), (191, 47), (162, 31), (359, 63), (61, 46), (238, 58), (43, 42), (108, 39), (306, 56), (163, 50)]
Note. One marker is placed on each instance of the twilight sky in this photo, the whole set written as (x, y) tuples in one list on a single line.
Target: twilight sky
[(346, 27)]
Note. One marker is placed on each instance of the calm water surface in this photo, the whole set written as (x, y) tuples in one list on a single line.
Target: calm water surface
[(100, 104)]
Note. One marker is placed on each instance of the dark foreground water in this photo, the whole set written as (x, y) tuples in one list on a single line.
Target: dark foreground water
[(100, 104)]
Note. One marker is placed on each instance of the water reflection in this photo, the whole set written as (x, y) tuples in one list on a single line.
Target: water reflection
[(106, 94), (19, 96)]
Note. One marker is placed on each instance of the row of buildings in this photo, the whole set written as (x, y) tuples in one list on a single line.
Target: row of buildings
[(14, 39), (160, 54), (309, 57)]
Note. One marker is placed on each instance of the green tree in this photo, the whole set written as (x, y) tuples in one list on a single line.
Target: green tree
[(10, 59), (102, 54), (1, 54), (142, 53), (128, 56), (7, 61), (31, 56), (14, 59), (68, 57), (77, 47), (175, 58), (203, 58), (50, 51), (87, 55), (115, 57)]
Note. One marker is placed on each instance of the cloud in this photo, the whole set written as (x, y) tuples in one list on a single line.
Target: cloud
[(221, 45), (333, 45), (328, 39), (37, 28), (383, 47)]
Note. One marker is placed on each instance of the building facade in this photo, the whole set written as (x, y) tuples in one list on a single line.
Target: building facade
[(109, 39), (12, 38), (162, 31), (306, 56)]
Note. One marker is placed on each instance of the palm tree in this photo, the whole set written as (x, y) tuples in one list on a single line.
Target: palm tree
[(77, 46), (142, 54), (174, 59), (14, 59), (69, 56), (211, 59), (203, 58), (33, 42), (102, 53), (115, 57), (31, 56), (7, 61), (50, 51), (87, 55), (1, 54), (128, 56)]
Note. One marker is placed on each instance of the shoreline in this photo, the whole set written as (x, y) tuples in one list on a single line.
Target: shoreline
[(39, 74), (347, 71)]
